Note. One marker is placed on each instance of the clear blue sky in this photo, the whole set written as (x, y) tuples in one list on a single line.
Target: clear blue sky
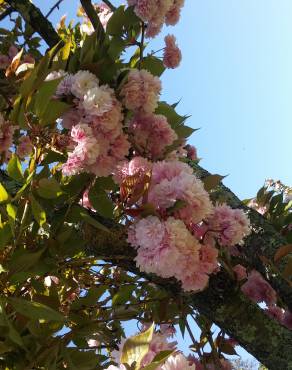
[(236, 82)]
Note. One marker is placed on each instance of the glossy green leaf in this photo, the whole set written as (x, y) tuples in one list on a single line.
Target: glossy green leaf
[(35, 310), (100, 201), (37, 211), (136, 347), (49, 188), (4, 197), (123, 295), (14, 168)]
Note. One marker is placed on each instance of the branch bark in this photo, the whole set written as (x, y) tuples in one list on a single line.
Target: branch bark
[(34, 17), (94, 19), (221, 302)]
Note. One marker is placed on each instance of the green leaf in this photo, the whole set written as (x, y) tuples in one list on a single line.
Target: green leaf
[(44, 95), (14, 168), (136, 347), (100, 201), (49, 188), (116, 22), (212, 181), (37, 211), (175, 120), (35, 310), (52, 157), (11, 211), (153, 65), (3, 194), (5, 235), (124, 294), (23, 260), (54, 110), (116, 47), (80, 214)]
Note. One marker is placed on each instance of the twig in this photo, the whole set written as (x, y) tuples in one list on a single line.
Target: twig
[(57, 5), (94, 19), (110, 5), (34, 17), (142, 44), (6, 12)]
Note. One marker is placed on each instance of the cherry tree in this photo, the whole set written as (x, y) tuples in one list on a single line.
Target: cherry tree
[(107, 217)]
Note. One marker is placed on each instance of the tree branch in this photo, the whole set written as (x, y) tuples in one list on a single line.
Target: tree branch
[(57, 5), (6, 12), (221, 302), (110, 5), (34, 17), (94, 19)]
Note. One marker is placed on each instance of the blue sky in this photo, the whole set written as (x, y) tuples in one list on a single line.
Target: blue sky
[(236, 82)]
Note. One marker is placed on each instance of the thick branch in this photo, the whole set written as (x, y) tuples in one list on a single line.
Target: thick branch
[(34, 17), (263, 241), (222, 303), (94, 19), (110, 5)]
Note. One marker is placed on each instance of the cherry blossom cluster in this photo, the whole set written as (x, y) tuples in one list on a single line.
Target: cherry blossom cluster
[(156, 13), (95, 122), (176, 361), (176, 234), (6, 138), (23, 148), (160, 342), (257, 289)]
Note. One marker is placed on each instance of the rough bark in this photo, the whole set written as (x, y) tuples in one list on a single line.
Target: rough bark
[(222, 302)]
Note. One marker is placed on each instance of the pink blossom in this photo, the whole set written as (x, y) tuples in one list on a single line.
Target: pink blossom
[(151, 134), (287, 320), (172, 54), (24, 147), (229, 225), (65, 86), (178, 362), (130, 168), (163, 244), (258, 289), (173, 15), (104, 14), (191, 152), (240, 272), (209, 259), (173, 181), (6, 136), (141, 91), (226, 365), (71, 118)]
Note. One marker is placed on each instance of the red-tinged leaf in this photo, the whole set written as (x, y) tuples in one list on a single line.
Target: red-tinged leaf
[(282, 252)]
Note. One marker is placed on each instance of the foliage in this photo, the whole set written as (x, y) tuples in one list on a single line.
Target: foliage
[(63, 304)]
